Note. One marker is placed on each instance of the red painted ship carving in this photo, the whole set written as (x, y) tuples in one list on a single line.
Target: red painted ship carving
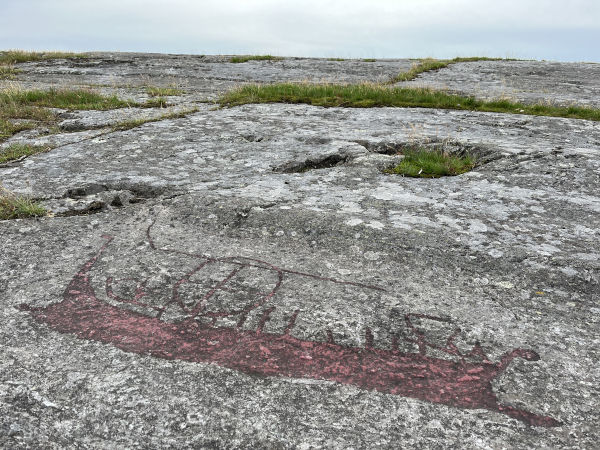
[(464, 381)]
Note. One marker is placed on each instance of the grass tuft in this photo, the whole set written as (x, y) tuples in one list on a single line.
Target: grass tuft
[(369, 60), (243, 59), (155, 102), (336, 59), (8, 72), (16, 117), (156, 91), (9, 127), (16, 207), (19, 56), (23, 110), (17, 151), (9, 58), (423, 163), (61, 98), (430, 64), (368, 95)]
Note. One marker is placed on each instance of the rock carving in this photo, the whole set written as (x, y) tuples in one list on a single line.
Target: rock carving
[(464, 382)]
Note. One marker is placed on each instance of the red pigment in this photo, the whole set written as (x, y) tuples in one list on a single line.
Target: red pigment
[(464, 382)]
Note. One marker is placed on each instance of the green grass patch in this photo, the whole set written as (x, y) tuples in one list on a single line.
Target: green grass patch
[(424, 163), (19, 56), (16, 118), (430, 64), (9, 128), (336, 59), (16, 207), (9, 58), (424, 65), (129, 124), (17, 151), (23, 110), (369, 60), (8, 72), (61, 98), (155, 102), (246, 58), (372, 95), (155, 91)]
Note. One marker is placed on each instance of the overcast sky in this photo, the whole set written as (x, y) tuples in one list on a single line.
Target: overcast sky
[(564, 30)]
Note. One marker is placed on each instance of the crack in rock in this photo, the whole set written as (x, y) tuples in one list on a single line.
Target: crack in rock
[(324, 162), (94, 198)]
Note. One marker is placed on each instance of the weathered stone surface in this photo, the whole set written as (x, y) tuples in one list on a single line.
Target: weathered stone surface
[(201, 77), (304, 266), (526, 81), (88, 120), (45, 137)]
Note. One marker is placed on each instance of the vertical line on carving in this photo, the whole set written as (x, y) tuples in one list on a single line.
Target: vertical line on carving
[(451, 347), (368, 338), (292, 322), (264, 319), (268, 296), (175, 295), (80, 284), (420, 341), (330, 339), (243, 318), (395, 343), (263, 300), (150, 240)]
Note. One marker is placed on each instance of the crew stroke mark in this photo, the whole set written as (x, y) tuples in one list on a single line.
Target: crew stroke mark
[(464, 382)]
